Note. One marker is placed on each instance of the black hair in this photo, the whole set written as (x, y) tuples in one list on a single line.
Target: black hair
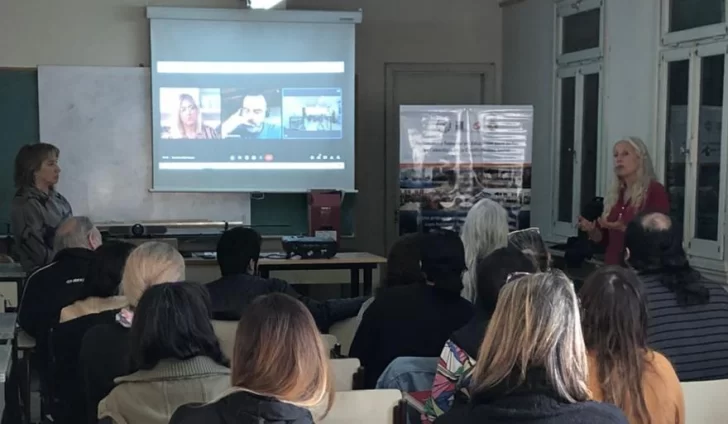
[(236, 248), (493, 271), (655, 248), (105, 271), (443, 260), (172, 321), (403, 262)]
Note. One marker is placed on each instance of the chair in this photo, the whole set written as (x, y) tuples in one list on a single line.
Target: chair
[(367, 407), (344, 332), (329, 341), (705, 401), (225, 332), (348, 374)]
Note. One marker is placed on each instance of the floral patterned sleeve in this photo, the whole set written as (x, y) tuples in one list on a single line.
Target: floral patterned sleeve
[(453, 369)]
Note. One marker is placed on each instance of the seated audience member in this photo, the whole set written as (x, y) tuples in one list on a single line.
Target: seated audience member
[(280, 369), (99, 305), (105, 348), (688, 315), (403, 266), (457, 359), (417, 319), (532, 365), (622, 370), (176, 353), (60, 283), (238, 252), (529, 242)]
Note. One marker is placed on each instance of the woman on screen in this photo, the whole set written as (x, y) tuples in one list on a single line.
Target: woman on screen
[(189, 123)]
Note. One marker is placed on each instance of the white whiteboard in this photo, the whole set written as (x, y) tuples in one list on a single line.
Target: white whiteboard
[(100, 119)]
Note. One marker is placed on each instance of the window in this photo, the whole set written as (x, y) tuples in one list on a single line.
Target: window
[(580, 31), (692, 108), (691, 20), (578, 135)]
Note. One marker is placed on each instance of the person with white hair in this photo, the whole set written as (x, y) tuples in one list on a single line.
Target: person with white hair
[(634, 190), (485, 230)]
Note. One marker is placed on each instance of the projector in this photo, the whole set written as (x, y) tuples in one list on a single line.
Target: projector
[(309, 247)]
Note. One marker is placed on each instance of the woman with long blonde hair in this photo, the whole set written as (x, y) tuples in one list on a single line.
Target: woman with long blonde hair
[(532, 365), (280, 369), (189, 121), (635, 189)]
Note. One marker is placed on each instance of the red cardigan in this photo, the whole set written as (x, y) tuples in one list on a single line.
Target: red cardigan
[(656, 200)]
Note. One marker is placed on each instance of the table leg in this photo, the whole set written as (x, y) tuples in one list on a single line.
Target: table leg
[(354, 282), (367, 281)]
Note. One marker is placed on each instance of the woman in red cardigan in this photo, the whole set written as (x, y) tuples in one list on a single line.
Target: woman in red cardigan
[(634, 190)]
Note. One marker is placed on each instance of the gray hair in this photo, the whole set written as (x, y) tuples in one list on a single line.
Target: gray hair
[(536, 324), (635, 195), (485, 230), (74, 232)]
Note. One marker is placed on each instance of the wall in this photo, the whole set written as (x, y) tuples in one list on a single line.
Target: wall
[(115, 33)]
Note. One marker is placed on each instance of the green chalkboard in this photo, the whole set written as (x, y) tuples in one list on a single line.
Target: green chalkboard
[(273, 214), (19, 120)]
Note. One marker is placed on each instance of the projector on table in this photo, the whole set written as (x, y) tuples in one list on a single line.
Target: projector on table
[(309, 247)]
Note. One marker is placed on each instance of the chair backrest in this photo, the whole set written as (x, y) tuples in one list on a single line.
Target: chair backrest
[(225, 332), (329, 341), (344, 332), (705, 401), (345, 373), (365, 407)]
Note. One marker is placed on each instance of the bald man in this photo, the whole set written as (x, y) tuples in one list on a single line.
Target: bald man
[(52, 287)]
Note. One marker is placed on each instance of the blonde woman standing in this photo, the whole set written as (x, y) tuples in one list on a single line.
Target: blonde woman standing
[(635, 189), (532, 365)]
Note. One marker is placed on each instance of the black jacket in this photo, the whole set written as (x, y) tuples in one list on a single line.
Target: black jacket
[(531, 403), (231, 294), (50, 289), (414, 320), (242, 408)]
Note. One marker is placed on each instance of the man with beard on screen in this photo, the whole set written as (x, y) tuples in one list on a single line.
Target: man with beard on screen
[(252, 120)]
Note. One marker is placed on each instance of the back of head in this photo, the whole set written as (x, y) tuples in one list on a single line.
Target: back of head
[(535, 326), (529, 242), (280, 353), (238, 250), (29, 160), (615, 330), (493, 271), (104, 275), (149, 264), (485, 230), (172, 321), (443, 260), (403, 261), (653, 246), (76, 232)]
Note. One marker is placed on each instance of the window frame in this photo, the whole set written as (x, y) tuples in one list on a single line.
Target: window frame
[(579, 72), (709, 249), (572, 7), (675, 38)]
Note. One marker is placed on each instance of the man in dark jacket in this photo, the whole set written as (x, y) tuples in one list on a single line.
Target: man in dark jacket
[(238, 252), (58, 284)]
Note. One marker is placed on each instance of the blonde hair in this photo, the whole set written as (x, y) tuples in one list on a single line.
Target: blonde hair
[(634, 195), (149, 264), (536, 324), (178, 130), (279, 353), (485, 230)]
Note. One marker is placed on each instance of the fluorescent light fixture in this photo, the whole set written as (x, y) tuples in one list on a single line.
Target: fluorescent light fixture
[(265, 4)]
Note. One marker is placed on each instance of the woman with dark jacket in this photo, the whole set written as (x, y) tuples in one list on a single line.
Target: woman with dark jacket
[(280, 369), (532, 365), (457, 359), (100, 304), (37, 208), (417, 319), (176, 354)]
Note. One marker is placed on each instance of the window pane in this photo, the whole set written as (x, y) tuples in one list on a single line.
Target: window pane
[(581, 31), (687, 14), (590, 139), (566, 149), (710, 121), (678, 74)]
